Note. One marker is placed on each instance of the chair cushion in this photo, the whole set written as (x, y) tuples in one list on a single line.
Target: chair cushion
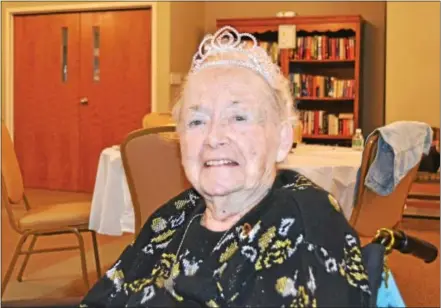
[(55, 216)]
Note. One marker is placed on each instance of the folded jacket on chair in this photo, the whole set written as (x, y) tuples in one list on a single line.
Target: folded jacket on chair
[(400, 148)]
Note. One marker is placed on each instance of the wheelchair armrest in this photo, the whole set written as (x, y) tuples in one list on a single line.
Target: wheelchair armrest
[(407, 244), (68, 302)]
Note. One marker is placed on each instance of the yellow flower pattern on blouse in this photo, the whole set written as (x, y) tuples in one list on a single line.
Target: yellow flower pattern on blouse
[(334, 203), (264, 247)]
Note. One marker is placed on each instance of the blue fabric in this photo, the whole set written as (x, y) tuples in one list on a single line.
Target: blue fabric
[(400, 148), (389, 296)]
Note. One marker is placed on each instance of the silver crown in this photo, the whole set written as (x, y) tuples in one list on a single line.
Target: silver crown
[(229, 40)]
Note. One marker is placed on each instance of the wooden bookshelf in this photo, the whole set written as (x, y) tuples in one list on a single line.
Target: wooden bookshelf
[(328, 56), (329, 99), (326, 137), (323, 61)]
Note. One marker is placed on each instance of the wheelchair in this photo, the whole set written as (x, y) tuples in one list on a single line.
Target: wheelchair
[(385, 292)]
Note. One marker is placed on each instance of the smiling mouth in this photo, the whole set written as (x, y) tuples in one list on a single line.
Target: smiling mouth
[(220, 163)]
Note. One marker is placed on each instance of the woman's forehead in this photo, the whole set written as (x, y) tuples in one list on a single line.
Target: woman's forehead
[(224, 81)]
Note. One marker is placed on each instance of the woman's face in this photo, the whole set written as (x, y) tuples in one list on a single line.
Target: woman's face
[(231, 135)]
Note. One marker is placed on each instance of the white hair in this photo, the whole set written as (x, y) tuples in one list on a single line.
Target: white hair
[(278, 84)]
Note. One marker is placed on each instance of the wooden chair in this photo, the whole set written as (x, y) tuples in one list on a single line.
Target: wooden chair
[(154, 173), (152, 164), (371, 211), (423, 200), (157, 119), (39, 221)]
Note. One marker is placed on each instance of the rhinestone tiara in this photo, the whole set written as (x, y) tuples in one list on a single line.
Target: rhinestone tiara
[(244, 46)]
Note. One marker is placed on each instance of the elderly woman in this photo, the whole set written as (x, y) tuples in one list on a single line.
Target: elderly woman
[(245, 234)]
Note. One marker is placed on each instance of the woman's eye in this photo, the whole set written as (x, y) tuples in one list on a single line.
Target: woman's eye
[(239, 118), (195, 123)]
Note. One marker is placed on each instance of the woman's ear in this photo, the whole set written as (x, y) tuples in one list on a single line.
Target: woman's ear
[(286, 140)]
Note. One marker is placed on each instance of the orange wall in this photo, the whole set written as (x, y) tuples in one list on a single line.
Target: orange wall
[(413, 62), (187, 30)]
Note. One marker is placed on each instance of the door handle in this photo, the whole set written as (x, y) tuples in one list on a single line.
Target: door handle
[(84, 101)]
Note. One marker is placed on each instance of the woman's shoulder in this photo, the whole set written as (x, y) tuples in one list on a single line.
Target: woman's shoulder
[(322, 218), (305, 191)]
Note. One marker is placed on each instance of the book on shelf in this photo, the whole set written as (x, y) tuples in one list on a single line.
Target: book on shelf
[(323, 70), (322, 47), (320, 122), (315, 86), (314, 48)]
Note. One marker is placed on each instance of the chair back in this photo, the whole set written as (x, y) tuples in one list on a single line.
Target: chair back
[(152, 164), (157, 119), (10, 169), (371, 211), (12, 180)]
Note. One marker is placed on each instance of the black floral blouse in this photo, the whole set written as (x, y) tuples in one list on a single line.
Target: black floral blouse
[(294, 249)]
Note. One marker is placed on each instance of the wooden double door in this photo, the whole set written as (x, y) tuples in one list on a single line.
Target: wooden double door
[(82, 82)]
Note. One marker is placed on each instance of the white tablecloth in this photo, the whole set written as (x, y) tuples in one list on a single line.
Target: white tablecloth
[(332, 168), (111, 210)]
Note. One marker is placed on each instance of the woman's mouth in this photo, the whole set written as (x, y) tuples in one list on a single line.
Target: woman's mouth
[(220, 163)]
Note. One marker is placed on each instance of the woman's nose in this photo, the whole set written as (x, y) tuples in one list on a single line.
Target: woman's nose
[(216, 135)]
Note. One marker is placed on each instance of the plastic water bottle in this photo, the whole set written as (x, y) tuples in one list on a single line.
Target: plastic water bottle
[(358, 140)]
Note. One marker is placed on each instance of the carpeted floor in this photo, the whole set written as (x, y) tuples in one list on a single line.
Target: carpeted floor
[(58, 275), (419, 282)]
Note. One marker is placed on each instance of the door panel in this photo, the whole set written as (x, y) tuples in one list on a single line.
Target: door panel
[(46, 131), (120, 95), (58, 139)]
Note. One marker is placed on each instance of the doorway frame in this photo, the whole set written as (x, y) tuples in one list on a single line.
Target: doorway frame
[(63, 8)]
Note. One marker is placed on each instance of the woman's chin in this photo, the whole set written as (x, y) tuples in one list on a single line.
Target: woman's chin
[(221, 181), (216, 190)]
